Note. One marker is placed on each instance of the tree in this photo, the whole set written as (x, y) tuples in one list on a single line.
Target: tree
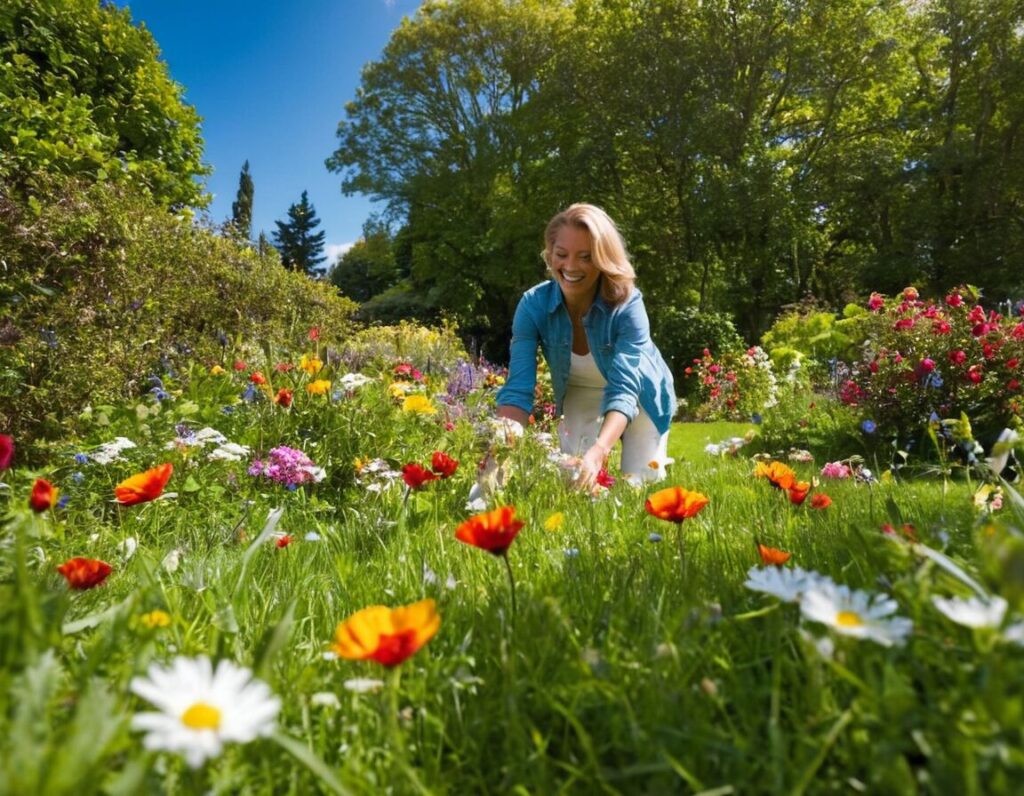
[(241, 208), (84, 92), (369, 267), (301, 248)]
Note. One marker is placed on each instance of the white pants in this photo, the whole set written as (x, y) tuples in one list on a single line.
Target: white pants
[(644, 448)]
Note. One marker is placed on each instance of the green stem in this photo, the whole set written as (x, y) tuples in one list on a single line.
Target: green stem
[(395, 731), (511, 582)]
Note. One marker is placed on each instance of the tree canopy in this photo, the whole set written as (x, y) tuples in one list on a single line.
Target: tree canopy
[(83, 92), (300, 246)]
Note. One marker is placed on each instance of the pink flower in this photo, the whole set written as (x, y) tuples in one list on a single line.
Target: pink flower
[(974, 374), (903, 323), (836, 470), (910, 293), (876, 302), (957, 357), (954, 299), (941, 327), (926, 365)]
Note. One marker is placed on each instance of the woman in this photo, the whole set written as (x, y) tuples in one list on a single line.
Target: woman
[(609, 378)]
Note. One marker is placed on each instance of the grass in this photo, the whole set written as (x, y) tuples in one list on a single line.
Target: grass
[(636, 662)]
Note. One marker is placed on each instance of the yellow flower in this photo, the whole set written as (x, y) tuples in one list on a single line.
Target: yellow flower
[(358, 464), (419, 404), (554, 522), (155, 619), (310, 364), (318, 387), (217, 370), (398, 389)]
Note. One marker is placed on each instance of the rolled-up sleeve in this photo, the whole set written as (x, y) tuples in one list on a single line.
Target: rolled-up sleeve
[(632, 335), (522, 364)]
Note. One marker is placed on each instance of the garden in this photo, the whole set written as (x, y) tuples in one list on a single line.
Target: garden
[(329, 568)]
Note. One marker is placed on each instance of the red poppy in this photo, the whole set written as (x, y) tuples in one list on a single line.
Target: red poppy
[(284, 397), (675, 504), (240, 364), (6, 451), (257, 377), (284, 367), (772, 555), (779, 475), (493, 531), (443, 464), (604, 479), (44, 495), (84, 573), (820, 501), (283, 541), (143, 487), (798, 492), (314, 333), (416, 476)]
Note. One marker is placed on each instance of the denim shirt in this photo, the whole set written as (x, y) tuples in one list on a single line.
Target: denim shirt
[(618, 337)]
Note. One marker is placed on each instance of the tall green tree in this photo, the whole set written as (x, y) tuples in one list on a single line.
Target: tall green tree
[(369, 267), (300, 245), (241, 208), (83, 91)]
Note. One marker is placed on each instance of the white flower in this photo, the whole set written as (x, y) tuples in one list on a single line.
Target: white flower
[(363, 685), (786, 584), (352, 381), (1015, 634), (318, 473), (209, 434), (128, 547), (1000, 455), (972, 611), (856, 613), (201, 709), (325, 699), (111, 451), (229, 452), (171, 560)]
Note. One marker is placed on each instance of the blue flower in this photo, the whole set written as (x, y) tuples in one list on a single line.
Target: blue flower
[(654, 537), (756, 419), (227, 410), (160, 394), (78, 477), (868, 427), (81, 458), (250, 395), (63, 501), (572, 552)]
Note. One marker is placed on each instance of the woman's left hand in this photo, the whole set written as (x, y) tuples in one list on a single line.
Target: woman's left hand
[(590, 465)]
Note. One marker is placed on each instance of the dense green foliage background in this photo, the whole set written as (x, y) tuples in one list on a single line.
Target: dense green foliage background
[(754, 152)]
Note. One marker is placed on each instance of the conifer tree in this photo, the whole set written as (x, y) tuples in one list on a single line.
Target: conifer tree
[(301, 248), (241, 208)]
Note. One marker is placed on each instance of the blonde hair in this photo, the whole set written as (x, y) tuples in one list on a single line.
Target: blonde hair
[(608, 252)]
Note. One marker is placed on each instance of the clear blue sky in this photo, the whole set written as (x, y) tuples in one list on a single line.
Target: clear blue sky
[(271, 80)]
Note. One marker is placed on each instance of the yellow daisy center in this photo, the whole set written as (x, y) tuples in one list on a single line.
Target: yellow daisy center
[(849, 619), (201, 717)]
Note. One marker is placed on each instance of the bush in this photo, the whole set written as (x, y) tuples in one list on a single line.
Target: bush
[(429, 349), (683, 333), (104, 288), (736, 386), (813, 335)]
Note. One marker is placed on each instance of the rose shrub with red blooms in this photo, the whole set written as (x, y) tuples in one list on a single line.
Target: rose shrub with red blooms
[(948, 356), (43, 497), (443, 464), (6, 451), (734, 386), (84, 573), (415, 475)]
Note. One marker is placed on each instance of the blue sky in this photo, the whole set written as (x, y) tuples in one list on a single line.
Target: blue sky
[(271, 80)]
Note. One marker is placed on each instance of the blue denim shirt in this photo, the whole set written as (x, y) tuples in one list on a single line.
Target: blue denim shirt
[(619, 338)]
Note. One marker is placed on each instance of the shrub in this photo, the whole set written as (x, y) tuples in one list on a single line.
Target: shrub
[(812, 338), (103, 288), (736, 386), (924, 358), (428, 348), (682, 333)]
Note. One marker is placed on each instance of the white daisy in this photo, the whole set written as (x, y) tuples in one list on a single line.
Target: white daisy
[(201, 709), (352, 381), (856, 613), (363, 685), (972, 611), (229, 452), (786, 584), (111, 451)]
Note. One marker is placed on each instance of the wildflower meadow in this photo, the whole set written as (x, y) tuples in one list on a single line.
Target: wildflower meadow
[(274, 573)]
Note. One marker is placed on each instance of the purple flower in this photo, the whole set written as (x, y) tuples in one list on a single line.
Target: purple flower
[(287, 466)]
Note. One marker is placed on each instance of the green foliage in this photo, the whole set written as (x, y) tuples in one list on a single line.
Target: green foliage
[(810, 421), (300, 247), (241, 208), (104, 289), (683, 333), (369, 267), (428, 348), (737, 385), (83, 92)]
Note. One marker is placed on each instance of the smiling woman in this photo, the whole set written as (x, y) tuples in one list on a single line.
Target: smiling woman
[(609, 378)]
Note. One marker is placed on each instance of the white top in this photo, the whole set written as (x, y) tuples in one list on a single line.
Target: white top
[(583, 372)]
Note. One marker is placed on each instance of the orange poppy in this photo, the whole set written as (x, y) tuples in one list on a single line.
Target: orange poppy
[(44, 495), (798, 492), (84, 573), (772, 555), (143, 487), (386, 635), (675, 504), (284, 397), (820, 501), (779, 475), (443, 464), (493, 531)]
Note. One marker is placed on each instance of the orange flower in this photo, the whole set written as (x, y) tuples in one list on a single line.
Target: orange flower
[(772, 555), (820, 501), (386, 635), (257, 377), (283, 541), (443, 464), (44, 495), (675, 504), (493, 531), (798, 492), (284, 397), (144, 487), (779, 475), (84, 573)]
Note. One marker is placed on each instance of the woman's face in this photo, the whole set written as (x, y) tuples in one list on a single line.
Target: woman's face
[(572, 265)]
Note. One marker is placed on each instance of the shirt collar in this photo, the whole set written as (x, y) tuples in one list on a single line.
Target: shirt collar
[(555, 300)]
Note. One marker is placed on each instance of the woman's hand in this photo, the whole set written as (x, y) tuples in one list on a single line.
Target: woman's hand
[(590, 465)]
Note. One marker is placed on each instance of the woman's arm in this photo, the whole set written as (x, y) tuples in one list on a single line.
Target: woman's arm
[(597, 455)]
